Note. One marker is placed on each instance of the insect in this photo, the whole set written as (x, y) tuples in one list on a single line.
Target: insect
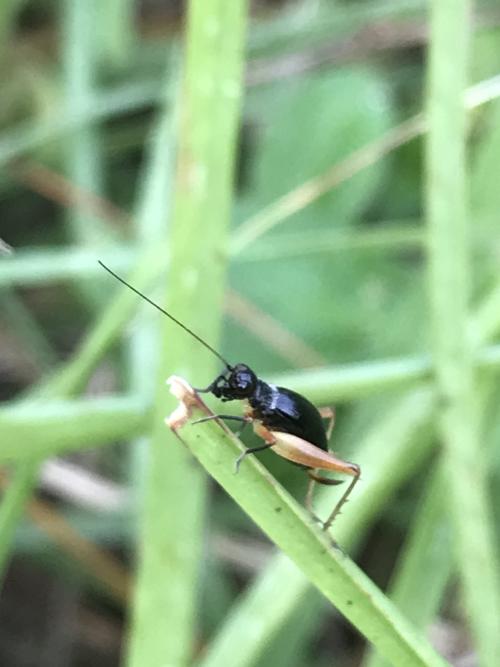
[(287, 422)]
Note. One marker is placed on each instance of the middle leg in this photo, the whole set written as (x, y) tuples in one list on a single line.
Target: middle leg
[(235, 418), (251, 450), (328, 413)]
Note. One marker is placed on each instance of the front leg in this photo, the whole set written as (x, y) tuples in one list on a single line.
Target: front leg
[(243, 420), (212, 387), (235, 418), (246, 419)]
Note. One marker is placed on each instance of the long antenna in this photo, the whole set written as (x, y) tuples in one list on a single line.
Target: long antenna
[(162, 310)]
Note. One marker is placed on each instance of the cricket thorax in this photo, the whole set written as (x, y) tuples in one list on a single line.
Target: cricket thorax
[(264, 399)]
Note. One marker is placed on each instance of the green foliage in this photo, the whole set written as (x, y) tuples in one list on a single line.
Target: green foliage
[(339, 270), (310, 125)]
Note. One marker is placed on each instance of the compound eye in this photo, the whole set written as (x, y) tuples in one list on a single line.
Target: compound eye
[(244, 380)]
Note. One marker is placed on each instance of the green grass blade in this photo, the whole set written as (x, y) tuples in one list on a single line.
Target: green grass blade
[(292, 529), (27, 329), (425, 564), (32, 135), (450, 289), (36, 267), (46, 428), (172, 540), (82, 148), (390, 453), (359, 380), (71, 378), (116, 30), (12, 507), (297, 199)]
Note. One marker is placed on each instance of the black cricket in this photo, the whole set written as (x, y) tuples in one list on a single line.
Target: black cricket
[(288, 423)]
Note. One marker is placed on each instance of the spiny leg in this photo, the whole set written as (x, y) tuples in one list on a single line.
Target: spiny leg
[(314, 478), (343, 499), (306, 454), (328, 413)]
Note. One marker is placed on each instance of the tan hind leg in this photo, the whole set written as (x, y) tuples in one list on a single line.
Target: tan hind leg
[(313, 479), (306, 454), (336, 510)]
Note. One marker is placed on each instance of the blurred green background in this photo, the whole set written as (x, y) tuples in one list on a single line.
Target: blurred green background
[(308, 264)]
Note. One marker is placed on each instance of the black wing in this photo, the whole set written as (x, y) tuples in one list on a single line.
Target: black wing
[(294, 414)]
